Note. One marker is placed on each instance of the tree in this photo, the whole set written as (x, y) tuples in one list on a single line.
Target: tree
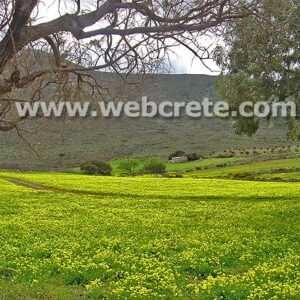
[(114, 35), (95, 167), (128, 166), (154, 166), (193, 156), (262, 62)]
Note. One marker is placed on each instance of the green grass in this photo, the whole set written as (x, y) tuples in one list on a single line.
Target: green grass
[(210, 162), (288, 176), (170, 167), (258, 169), (148, 238)]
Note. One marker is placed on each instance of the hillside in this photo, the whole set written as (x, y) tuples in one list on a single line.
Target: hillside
[(63, 143)]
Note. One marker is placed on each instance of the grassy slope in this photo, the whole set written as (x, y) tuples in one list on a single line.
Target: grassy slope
[(139, 238), (262, 167), (171, 167), (282, 168), (261, 160)]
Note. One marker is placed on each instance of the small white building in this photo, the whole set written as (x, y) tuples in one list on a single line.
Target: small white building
[(180, 159)]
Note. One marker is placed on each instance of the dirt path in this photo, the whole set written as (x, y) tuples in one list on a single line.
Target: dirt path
[(39, 187), (28, 184)]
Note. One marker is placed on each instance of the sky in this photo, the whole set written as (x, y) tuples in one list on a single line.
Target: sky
[(182, 60), (184, 63)]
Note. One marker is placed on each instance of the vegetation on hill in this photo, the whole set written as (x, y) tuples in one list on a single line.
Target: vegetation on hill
[(66, 143), (259, 170)]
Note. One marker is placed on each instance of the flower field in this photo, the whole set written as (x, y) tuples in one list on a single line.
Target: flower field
[(80, 237)]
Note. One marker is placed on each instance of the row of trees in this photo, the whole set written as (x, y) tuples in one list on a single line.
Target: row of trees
[(128, 166)]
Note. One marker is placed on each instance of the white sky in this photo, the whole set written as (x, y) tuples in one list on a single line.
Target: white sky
[(182, 60)]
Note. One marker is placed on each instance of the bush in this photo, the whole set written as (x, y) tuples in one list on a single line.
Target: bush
[(243, 176), (166, 175), (154, 166), (95, 167), (128, 166), (193, 157), (176, 154), (220, 165), (225, 156), (88, 168)]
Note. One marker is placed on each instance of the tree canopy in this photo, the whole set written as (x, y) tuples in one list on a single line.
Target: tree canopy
[(121, 36), (261, 61)]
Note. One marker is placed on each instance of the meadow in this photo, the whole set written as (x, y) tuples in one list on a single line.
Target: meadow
[(71, 236), (185, 166), (277, 169)]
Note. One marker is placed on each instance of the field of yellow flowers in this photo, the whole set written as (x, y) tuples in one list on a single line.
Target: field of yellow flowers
[(79, 237)]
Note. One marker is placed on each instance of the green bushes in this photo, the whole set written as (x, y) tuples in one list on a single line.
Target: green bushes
[(131, 166), (193, 156), (242, 176), (128, 166), (154, 166), (95, 167)]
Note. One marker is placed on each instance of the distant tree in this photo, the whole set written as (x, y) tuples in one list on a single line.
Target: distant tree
[(261, 61), (95, 167), (193, 156), (154, 166), (89, 168), (129, 166)]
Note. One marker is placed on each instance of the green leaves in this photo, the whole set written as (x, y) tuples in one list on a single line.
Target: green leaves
[(262, 62)]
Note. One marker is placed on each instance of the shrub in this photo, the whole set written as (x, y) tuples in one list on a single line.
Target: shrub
[(128, 166), (243, 176), (225, 155), (88, 168), (95, 167), (193, 156), (166, 175), (178, 176), (220, 165), (154, 166), (176, 154)]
